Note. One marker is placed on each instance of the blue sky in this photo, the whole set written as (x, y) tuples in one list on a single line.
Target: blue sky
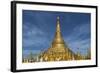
[(39, 29)]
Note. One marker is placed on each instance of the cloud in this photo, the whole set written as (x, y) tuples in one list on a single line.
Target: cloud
[(32, 30), (79, 38), (33, 36)]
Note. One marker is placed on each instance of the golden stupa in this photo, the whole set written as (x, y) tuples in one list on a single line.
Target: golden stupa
[(59, 51)]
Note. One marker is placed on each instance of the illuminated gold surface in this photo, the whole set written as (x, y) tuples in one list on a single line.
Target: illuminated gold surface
[(58, 50)]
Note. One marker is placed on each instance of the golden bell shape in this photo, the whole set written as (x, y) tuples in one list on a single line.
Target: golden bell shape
[(58, 40)]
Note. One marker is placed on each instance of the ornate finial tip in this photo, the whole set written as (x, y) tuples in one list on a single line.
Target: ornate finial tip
[(58, 17)]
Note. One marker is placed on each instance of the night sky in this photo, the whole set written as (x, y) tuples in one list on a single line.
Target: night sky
[(39, 29)]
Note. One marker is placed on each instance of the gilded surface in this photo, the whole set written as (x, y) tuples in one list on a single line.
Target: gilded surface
[(58, 50)]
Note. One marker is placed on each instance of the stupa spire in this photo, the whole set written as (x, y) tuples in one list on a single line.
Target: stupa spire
[(58, 25), (58, 40)]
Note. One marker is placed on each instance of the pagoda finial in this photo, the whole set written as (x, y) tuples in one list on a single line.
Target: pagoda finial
[(57, 17), (58, 24)]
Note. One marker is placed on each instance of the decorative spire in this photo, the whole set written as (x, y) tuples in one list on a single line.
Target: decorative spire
[(58, 24), (58, 40), (58, 19)]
